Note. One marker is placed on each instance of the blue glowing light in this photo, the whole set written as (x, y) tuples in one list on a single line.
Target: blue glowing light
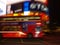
[(26, 6)]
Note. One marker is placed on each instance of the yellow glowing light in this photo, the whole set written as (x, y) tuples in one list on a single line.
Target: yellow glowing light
[(15, 14)]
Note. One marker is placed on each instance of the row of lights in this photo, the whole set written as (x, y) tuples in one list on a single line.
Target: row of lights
[(43, 16), (25, 14)]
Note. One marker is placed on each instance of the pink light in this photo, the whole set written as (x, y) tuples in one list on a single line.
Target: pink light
[(43, 1), (38, 23)]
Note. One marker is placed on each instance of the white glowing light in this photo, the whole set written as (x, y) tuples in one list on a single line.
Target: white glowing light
[(21, 33), (37, 33), (26, 13)]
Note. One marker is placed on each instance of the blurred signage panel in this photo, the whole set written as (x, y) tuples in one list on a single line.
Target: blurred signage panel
[(28, 6), (35, 6), (2, 8), (17, 7)]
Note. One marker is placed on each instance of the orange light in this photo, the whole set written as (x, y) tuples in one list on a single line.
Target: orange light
[(36, 13), (9, 15), (47, 17), (19, 14), (22, 14), (44, 1), (31, 13)]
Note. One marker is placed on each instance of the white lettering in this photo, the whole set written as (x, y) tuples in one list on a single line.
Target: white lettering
[(44, 8), (18, 10), (33, 6), (38, 6)]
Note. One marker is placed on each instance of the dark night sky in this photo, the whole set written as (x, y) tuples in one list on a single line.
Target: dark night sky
[(54, 11)]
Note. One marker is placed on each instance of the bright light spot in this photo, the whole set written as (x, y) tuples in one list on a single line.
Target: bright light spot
[(37, 33), (38, 23), (21, 33), (45, 9), (44, 1), (26, 13), (15, 14), (36, 13)]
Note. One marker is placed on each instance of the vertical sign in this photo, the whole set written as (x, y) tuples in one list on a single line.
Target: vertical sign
[(26, 8)]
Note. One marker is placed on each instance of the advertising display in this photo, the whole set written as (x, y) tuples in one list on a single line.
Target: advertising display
[(29, 6), (23, 7), (2, 8)]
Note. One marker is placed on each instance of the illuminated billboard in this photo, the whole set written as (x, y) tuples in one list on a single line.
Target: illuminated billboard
[(29, 6), (24, 7), (2, 8)]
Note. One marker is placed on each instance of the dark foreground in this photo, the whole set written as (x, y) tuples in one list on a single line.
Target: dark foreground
[(51, 39)]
